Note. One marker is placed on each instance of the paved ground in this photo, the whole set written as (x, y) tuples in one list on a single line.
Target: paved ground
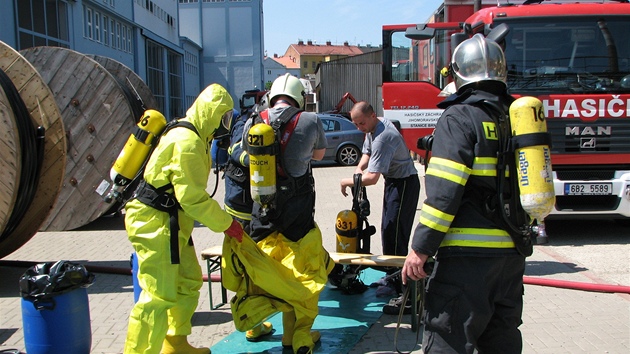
[(555, 320)]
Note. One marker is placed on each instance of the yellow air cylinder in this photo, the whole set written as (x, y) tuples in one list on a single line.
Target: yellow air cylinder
[(346, 228), (535, 177), (262, 164), (137, 148)]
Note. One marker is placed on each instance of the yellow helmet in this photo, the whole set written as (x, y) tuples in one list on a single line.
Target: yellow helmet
[(287, 85)]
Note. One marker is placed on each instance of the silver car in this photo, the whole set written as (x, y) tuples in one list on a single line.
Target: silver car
[(344, 140)]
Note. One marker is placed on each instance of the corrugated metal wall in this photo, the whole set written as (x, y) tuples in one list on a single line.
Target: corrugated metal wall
[(360, 75)]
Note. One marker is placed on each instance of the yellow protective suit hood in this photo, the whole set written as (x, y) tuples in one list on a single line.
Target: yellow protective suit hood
[(206, 112)]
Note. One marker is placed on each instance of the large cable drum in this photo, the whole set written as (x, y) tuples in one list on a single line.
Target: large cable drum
[(139, 96), (27, 195), (97, 117), (138, 93), (10, 160)]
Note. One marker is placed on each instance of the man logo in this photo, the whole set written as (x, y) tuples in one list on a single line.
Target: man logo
[(588, 143)]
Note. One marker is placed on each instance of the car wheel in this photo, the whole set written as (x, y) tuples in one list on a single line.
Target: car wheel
[(348, 155)]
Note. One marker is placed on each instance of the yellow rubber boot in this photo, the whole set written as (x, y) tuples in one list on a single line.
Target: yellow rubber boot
[(316, 336), (258, 333), (180, 345), (288, 325)]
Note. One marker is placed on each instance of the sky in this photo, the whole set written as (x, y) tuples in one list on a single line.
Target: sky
[(359, 22)]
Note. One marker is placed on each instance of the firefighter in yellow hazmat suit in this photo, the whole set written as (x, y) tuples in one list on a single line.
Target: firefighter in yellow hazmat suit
[(168, 271)]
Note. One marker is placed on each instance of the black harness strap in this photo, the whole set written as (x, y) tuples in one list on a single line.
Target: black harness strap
[(277, 126), (161, 200), (287, 186), (516, 219), (531, 139)]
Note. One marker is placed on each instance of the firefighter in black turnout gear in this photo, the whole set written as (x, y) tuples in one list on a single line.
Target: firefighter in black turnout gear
[(474, 296), (238, 200)]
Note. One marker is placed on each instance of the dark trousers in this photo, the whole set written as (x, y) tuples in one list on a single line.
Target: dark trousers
[(400, 201), (474, 303)]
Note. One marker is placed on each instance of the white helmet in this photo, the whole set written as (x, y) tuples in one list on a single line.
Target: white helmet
[(478, 59), (287, 85)]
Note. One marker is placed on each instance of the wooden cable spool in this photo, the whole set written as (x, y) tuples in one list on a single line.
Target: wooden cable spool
[(138, 89), (138, 94), (98, 119), (10, 160), (44, 112)]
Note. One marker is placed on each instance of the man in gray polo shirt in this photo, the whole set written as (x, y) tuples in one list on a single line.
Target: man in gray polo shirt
[(385, 153)]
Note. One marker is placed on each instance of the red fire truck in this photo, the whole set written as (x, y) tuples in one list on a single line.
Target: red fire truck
[(574, 56)]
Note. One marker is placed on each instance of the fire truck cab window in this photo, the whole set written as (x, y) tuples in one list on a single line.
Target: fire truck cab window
[(578, 57)]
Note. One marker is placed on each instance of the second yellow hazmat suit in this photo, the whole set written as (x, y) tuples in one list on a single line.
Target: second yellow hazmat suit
[(170, 292), (295, 272)]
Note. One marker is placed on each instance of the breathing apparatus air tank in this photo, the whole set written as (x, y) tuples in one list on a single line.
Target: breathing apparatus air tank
[(347, 231), (535, 177), (262, 164), (135, 152)]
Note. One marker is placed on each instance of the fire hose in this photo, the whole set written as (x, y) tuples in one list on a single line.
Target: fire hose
[(564, 284), (574, 285), (216, 278)]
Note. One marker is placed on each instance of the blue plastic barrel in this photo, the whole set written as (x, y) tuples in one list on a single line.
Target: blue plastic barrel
[(134, 276), (60, 326)]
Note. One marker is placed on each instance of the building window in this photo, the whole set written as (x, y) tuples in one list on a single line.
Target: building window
[(118, 41), (305, 64), (175, 84), (105, 31), (123, 32), (97, 27), (42, 23), (190, 100), (314, 65), (191, 63), (108, 31), (159, 12), (112, 32), (155, 73), (165, 79), (129, 46), (88, 23)]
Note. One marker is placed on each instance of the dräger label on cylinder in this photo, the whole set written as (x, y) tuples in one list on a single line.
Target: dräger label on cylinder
[(523, 167)]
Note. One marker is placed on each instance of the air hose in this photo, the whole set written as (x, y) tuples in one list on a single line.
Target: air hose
[(32, 154)]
